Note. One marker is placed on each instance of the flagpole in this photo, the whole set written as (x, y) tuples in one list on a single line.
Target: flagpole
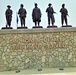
[(16, 19)]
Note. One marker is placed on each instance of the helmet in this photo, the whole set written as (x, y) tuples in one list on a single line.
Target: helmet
[(49, 4), (8, 6), (36, 4), (21, 5), (63, 5)]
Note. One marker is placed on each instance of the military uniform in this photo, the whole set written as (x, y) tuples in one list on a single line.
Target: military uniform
[(36, 15), (50, 14), (64, 13), (8, 15), (22, 14)]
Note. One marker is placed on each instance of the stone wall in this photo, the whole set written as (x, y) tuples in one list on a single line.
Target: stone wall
[(35, 48)]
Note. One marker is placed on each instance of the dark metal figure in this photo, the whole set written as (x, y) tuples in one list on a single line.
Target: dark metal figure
[(50, 14), (22, 14), (64, 14), (36, 15), (8, 15)]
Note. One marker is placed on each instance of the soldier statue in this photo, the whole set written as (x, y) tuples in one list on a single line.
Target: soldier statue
[(64, 14), (22, 14), (50, 14), (8, 15), (36, 15)]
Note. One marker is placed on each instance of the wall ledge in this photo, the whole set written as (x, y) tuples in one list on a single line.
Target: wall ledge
[(37, 30)]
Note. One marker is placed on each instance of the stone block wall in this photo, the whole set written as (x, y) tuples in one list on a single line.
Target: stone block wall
[(36, 48)]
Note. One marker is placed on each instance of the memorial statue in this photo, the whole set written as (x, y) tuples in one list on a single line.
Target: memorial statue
[(64, 14), (22, 14), (50, 14), (36, 15), (8, 15)]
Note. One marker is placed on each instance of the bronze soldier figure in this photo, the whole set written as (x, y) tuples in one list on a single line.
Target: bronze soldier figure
[(50, 14), (36, 15), (22, 14), (64, 13), (8, 15)]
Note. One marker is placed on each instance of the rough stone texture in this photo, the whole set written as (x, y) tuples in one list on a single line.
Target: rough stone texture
[(27, 50)]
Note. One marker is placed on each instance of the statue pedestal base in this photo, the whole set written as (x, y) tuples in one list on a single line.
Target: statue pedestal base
[(37, 27), (22, 27), (51, 26), (6, 28), (67, 26)]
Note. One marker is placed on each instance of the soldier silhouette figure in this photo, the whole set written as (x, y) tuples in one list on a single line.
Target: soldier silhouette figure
[(8, 15), (64, 14), (22, 14), (36, 15), (50, 14)]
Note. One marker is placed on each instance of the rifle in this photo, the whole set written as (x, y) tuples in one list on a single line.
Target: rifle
[(55, 13), (67, 15)]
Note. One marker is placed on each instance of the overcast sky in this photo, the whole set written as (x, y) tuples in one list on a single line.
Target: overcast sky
[(42, 4)]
